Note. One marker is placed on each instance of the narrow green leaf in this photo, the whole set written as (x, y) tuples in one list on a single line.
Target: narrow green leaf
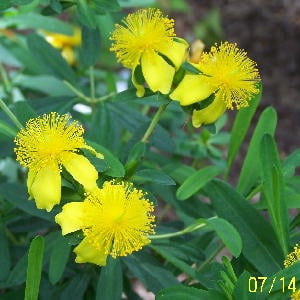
[(250, 172), (291, 163), (89, 51), (228, 234), (197, 181), (86, 14), (34, 268), (273, 187), (240, 127), (32, 20), (58, 259), (155, 176), (260, 245), (181, 292), (5, 254), (110, 283), (50, 58), (76, 287), (7, 130)]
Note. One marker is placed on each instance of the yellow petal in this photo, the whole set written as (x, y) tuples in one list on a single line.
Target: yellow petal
[(81, 169), (46, 188), (70, 219), (68, 54), (177, 53), (30, 180), (191, 89), (140, 90), (157, 72), (87, 253), (209, 114)]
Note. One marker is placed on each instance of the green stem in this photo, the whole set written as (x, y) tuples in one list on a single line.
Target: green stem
[(5, 79), (210, 258), (92, 83), (103, 98), (154, 122), (77, 92), (254, 192), (10, 114), (189, 229)]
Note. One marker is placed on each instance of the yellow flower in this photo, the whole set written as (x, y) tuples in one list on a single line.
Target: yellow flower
[(65, 43), (115, 221), (296, 295), (147, 39), (46, 144), (225, 72), (196, 51), (292, 257)]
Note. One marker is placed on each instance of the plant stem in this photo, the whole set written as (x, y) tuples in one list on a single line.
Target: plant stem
[(5, 79), (10, 114), (210, 258), (92, 83), (103, 98), (188, 229), (154, 122), (254, 192), (77, 92)]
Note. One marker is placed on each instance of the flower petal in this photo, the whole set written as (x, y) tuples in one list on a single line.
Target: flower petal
[(157, 72), (81, 169), (177, 53), (191, 89), (140, 90), (210, 113), (46, 187), (70, 219), (87, 253), (30, 180)]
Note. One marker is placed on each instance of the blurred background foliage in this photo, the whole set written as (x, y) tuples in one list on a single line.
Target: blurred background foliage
[(66, 73)]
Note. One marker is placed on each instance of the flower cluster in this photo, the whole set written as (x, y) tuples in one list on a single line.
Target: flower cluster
[(115, 219), (146, 44)]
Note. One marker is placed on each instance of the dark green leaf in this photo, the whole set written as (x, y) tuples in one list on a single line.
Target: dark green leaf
[(197, 181), (50, 58), (58, 259), (291, 163), (5, 254), (103, 6), (34, 268), (182, 292), (149, 175), (250, 172), (90, 46), (260, 245), (86, 14), (76, 287), (273, 187), (7, 130), (110, 284), (190, 68)]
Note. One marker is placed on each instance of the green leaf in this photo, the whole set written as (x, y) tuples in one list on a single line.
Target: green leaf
[(240, 127), (58, 259), (103, 6), (149, 271), (7, 130), (273, 187), (196, 181), (155, 176), (250, 170), (181, 265), (35, 21), (17, 195), (50, 58), (260, 245), (115, 167), (227, 233), (34, 269), (76, 287), (110, 283), (86, 14), (291, 163), (23, 111), (190, 68), (181, 292), (5, 254), (90, 46)]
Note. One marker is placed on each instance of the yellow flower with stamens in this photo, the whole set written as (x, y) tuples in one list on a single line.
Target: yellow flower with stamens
[(147, 39), (226, 73), (115, 220), (44, 146), (291, 259)]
